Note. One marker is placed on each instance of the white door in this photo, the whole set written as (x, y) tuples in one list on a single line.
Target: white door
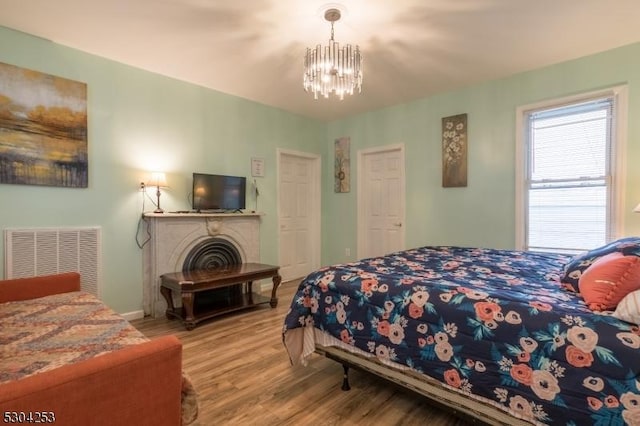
[(381, 201), (298, 213)]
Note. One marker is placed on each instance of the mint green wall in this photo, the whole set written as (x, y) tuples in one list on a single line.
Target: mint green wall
[(139, 122), (482, 214)]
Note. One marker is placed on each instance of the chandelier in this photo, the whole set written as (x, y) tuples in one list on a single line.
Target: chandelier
[(331, 68)]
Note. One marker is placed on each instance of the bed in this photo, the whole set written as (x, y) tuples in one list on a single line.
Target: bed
[(493, 334)]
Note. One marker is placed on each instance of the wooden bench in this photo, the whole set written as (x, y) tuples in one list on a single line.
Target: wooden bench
[(210, 285)]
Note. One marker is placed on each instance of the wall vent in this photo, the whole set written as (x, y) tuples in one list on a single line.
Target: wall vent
[(44, 251)]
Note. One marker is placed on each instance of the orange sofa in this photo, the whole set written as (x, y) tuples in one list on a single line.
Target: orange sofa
[(139, 384)]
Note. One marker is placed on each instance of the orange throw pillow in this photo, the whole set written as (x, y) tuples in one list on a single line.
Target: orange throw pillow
[(609, 279)]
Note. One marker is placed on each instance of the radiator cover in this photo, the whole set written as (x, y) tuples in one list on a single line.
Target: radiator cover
[(43, 251)]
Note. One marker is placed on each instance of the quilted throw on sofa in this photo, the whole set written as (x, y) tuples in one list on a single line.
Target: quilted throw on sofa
[(49, 332)]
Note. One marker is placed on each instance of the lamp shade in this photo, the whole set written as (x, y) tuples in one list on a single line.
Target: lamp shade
[(158, 179), (637, 209)]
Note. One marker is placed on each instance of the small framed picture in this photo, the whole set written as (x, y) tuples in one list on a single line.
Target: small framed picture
[(257, 167)]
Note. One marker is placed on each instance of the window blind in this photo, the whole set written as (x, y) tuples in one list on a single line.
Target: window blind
[(569, 176)]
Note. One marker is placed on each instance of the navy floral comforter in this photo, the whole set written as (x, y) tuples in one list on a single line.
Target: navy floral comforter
[(493, 323)]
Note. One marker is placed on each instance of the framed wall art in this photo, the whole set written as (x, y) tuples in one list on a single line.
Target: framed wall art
[(257, 167), (454, 151), (342, 169), (43, 129)]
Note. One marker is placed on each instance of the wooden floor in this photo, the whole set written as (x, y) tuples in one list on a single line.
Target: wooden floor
[(242, 373)]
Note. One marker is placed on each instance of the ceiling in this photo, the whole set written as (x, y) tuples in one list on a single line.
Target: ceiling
[(253, 48)]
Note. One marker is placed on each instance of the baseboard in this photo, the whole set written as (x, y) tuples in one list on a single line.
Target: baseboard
[(264, 286), (130, 316)]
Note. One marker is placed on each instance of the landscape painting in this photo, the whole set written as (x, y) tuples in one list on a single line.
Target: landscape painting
[(43, 129)]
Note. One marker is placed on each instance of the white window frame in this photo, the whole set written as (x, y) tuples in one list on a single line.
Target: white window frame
[(618, 156)]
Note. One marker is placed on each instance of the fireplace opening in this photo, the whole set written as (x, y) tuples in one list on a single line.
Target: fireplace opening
[(212, 253)]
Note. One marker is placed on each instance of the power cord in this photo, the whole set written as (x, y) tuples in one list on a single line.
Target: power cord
[(257, 193), (148, 238), (141, 219)]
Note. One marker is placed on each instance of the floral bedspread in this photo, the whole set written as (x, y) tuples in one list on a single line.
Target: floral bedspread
[(41, 334), (494, 324)]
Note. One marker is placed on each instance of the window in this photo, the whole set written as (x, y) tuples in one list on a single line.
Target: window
[(568, 190)]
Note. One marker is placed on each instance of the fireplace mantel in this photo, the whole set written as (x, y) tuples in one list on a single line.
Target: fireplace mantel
[(199, 215), (173, 235)]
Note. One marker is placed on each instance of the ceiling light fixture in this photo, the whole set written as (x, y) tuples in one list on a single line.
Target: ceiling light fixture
[(331, 68)]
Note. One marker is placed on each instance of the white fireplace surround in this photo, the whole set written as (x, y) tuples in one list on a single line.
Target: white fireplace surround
[(174, 235)]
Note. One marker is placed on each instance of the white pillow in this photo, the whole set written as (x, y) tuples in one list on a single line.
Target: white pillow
[(629, 308)]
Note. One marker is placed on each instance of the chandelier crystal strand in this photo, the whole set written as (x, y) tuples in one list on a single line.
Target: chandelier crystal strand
[(331, 69)]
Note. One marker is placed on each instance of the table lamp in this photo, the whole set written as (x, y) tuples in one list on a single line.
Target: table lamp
[(158, 179)]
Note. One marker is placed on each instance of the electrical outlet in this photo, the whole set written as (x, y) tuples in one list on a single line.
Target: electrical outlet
[(347, 252)]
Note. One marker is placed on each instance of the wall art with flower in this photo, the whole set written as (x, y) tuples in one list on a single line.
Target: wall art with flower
[(454, 151)]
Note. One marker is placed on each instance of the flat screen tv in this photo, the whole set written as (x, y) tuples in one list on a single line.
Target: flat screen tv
[(218, 192)]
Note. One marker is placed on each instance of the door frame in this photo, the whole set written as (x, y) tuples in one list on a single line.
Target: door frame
[(316, 200), (362, 187)]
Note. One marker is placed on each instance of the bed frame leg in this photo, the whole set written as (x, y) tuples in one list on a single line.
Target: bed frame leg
[(345, 378)]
